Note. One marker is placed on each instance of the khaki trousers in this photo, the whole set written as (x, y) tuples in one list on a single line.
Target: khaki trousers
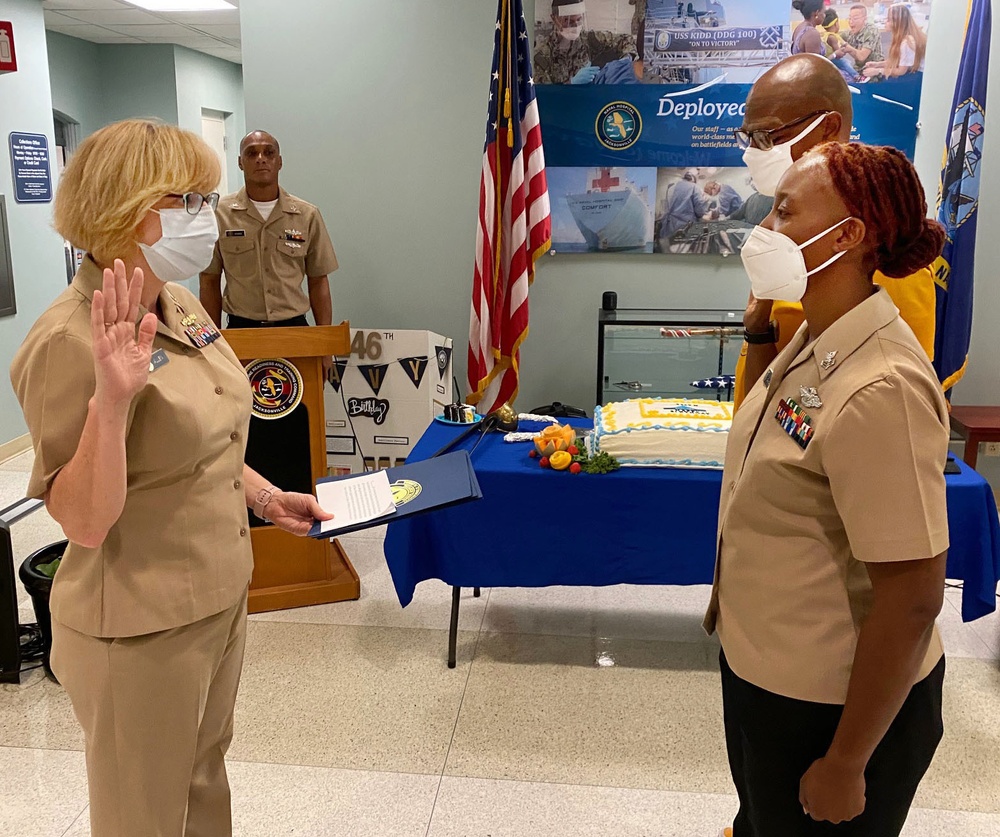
[(157, 715)]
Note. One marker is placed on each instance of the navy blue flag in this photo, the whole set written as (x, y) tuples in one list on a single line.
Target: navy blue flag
[(958, 200)]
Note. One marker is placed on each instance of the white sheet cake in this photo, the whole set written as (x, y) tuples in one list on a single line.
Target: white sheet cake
[(668, 432)]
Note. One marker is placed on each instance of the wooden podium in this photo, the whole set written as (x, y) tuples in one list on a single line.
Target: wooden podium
[(290, 571)]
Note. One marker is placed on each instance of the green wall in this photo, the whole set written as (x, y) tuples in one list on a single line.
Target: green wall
[(138, 80), (206, 82), (75, 76), (36, 251)]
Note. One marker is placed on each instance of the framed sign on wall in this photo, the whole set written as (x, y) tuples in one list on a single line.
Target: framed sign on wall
[(8, 307)]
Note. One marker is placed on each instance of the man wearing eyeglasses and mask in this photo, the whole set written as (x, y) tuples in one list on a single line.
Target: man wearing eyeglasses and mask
[(572, 54), (795, 106), (269, 241)]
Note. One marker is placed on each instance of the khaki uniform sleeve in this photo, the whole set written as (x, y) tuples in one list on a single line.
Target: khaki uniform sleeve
[(54, 381), (916, 300), (884, 456), (321, 260), (215, 266)]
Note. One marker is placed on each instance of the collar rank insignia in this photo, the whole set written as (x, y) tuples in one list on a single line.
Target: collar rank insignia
[(829, 360), (794, 422)]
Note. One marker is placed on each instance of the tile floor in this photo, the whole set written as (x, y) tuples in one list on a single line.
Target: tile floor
[(583, 712)]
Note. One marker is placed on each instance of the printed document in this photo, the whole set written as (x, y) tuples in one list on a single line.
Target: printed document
[(355, 500)]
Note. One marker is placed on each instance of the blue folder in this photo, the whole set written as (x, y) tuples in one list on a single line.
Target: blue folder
[(419, 487)]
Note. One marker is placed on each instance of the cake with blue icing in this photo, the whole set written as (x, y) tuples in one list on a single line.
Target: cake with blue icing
[(667, 432)]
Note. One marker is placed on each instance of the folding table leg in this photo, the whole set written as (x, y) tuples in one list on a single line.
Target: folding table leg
[(456, 600)]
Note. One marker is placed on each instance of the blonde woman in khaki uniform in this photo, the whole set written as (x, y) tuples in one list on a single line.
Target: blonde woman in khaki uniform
[(138, 412)]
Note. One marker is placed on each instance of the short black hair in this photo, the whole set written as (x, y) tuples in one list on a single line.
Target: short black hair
[(807, 7)]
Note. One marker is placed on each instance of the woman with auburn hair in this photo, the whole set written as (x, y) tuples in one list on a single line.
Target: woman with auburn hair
[(138, 412), (908, 47), (833, 525)]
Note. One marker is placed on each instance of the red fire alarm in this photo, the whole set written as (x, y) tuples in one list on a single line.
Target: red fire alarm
[(8, 58)]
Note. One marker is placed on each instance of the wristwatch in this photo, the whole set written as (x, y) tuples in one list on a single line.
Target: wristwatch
[(262, 499), (760, 338)]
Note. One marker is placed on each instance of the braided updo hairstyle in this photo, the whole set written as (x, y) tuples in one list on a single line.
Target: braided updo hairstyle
[(880, 187)]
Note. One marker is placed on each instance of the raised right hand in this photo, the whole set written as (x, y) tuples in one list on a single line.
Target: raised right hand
[(757, 315), (121, 357)]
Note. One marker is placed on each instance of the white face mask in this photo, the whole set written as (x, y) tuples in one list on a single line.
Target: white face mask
[(186, 246), (776, 266), (767, 167), (571, 33)]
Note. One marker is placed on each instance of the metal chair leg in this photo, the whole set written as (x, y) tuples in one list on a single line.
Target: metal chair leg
[(476, 592)]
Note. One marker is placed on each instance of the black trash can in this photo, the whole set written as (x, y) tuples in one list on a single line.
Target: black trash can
[(39, 586)]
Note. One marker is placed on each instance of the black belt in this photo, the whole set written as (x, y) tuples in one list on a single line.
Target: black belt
[(234, 321)]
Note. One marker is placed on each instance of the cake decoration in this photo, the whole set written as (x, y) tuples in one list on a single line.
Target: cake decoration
[(668, 432)]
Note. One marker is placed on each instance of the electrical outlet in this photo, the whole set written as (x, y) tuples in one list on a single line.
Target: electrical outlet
[(993, 448)]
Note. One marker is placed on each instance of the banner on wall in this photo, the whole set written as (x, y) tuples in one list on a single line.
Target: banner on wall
[(639, 105)]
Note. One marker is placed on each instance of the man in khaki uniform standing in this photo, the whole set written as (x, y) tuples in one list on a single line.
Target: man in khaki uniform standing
[(269, 241)]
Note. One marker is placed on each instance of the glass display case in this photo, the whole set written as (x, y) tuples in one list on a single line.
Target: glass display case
[(666, 353)]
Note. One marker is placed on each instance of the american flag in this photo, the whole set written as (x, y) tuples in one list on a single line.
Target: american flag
[(514, 222)]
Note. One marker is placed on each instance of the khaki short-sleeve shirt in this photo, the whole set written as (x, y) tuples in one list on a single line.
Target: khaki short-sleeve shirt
[(266, 262), (835, 460), (180, 551)]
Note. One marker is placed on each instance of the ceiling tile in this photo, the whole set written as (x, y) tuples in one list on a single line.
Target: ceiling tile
[(192, 42), (53, 18), (114, 38), (219, 17), (84, 4), (219, 31), (159, 31), (87, 31), (108, 17)]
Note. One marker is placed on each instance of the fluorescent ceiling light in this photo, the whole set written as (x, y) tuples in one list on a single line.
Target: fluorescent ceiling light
[(181, 5)]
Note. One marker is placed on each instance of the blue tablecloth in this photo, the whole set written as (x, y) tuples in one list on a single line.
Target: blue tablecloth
[(536, 527)]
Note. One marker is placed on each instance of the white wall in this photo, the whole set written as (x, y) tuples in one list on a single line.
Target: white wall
[(381, 125), (36, 251)]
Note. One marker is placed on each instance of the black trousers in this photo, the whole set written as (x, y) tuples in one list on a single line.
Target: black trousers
[(773, 740), (233, 321)]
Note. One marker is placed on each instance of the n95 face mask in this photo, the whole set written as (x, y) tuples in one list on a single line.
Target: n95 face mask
[(767, 167), (186, 246), (776, 266)]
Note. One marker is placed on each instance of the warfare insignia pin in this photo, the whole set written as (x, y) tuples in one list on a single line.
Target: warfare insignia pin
[(810, 397)]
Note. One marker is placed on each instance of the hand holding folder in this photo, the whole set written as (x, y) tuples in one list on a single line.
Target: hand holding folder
[(416, 488)]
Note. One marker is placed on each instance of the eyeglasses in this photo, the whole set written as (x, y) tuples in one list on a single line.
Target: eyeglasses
[(194, 201), (764, 140)]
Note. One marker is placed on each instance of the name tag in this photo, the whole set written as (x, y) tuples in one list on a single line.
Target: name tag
[(235, 233), (794, 422), (159, 358)]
